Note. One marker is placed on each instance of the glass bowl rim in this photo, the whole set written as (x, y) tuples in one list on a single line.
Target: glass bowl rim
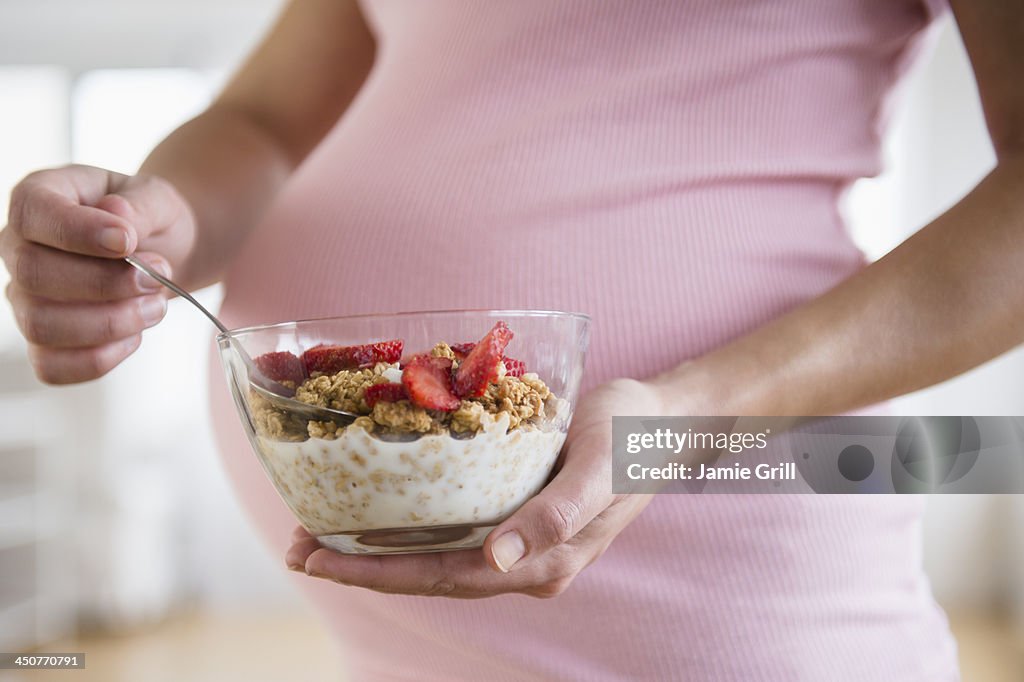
[(494, 312)]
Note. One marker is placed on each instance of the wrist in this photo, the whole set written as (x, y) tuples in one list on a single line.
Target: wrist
[(681, 390), (697, 387), (176, 238)]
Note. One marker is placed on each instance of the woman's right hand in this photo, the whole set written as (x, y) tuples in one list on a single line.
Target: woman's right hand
[(79, 305)]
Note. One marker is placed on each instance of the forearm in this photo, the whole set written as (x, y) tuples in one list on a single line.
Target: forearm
[(229, 162), (227, 168), (944, 301)]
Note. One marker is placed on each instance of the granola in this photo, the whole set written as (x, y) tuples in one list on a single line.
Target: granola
[(456, 389), (522, 398)]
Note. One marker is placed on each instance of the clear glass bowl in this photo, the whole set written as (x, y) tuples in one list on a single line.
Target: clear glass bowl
[(362, 493)]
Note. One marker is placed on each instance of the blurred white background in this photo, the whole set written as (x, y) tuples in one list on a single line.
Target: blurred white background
[(138, 502), (141, 496)]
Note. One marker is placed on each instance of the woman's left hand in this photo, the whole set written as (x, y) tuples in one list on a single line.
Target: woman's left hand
[(542, 547)]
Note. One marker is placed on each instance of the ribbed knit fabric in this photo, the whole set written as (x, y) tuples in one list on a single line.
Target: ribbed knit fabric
[(671, 168)]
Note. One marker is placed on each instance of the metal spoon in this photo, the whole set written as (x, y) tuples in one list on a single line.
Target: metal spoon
[(275, 393)]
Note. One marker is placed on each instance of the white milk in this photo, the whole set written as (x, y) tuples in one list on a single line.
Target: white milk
[(358, 482)]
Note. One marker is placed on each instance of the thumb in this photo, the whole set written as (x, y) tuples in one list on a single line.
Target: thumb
[(580, 491), (149, 205)]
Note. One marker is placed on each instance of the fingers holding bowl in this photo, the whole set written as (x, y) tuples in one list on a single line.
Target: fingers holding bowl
[(463, 574)]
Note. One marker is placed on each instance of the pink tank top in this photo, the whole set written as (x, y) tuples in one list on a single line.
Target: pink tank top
[(672, 168)]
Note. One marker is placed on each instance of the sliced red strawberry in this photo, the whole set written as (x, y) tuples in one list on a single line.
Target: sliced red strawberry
[(331, 359), (388, 393), (281, 366), (387, 351), (481, 365), (513, 367), (429, 383), (405, 362), (461, 350)]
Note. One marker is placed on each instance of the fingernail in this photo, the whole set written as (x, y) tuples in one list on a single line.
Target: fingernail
[(333, 579), (298, 568), (152, 309), (147, 283), (114, 239), (507, 550)]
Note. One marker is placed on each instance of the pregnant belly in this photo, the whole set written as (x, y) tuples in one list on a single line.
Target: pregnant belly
[(663, 277)]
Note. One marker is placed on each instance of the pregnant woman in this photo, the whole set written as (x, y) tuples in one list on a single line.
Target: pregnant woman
[(671, 168)]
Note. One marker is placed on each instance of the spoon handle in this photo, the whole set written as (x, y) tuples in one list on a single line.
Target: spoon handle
[(277, 393), (175, 288)]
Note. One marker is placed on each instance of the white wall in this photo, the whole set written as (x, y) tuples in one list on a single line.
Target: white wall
[(156, 519), (97, 34)]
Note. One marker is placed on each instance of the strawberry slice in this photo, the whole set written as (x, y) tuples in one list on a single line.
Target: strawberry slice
[(461, 350), (388, 393), (429, 383), (513, 367), (281, 366), (405, 362), (387, 351), (481, 364), (331, 359)]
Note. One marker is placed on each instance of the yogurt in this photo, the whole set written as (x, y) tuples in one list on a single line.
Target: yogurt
[(357, 482)]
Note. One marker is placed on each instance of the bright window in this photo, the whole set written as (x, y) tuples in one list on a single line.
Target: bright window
[(118, 115)]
